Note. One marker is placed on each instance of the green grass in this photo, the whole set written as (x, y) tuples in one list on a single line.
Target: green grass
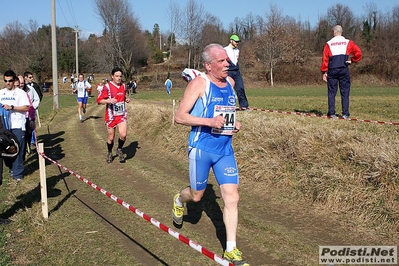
[(375, 103), (4, 258), (46, 109)]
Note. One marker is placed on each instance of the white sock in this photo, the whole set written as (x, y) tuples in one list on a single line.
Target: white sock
[(230, 245), (178, 203)]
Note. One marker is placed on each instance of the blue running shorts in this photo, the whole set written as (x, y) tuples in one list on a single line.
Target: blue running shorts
[(83, 100), (200, 162)]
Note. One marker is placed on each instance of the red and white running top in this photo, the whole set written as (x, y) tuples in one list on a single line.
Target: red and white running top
[(110, 90)]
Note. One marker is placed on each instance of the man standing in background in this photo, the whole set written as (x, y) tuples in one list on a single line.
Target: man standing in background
[(16, 101), (234, 71), (335, 68), (28, 76)]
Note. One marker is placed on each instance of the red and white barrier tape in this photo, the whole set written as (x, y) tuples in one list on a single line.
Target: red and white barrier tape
[(161, 226), (315, 115), (322, 116)]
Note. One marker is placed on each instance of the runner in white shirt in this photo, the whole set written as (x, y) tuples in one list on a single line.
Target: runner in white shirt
[(82, 95)]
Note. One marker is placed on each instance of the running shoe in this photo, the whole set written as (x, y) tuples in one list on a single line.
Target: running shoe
[(109, 157), (84, 110), (120, 155), (234, 257), (177, 212)]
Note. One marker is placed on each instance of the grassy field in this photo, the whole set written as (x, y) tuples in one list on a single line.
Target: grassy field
[(343, 168), (375, 103)]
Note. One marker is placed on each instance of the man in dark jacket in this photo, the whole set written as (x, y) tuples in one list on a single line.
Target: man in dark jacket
[(28, 76)]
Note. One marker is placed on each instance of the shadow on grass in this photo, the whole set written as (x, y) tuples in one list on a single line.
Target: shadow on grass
[(26, 200), (131, 149), (313, 111), (52, 149), (212, 209), (121, 231), (91, 117)]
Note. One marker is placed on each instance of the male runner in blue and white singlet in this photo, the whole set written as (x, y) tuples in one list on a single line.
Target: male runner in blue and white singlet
[(208, 106)]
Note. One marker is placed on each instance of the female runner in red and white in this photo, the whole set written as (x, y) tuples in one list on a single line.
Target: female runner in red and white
[(113, 95)]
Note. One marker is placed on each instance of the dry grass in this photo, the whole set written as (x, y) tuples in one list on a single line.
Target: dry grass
[(344, 168), (349, 168)]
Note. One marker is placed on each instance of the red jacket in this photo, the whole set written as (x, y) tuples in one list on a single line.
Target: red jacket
[(337, 51)]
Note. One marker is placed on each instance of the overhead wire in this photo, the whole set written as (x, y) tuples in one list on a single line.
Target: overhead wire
[(63, 14), (71, 11)]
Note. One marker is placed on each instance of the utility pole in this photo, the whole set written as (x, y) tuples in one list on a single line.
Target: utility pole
[(54, 56), (160, 41), (77, 55)]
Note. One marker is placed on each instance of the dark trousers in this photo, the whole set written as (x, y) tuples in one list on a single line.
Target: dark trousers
[(17, 164), (239, 88), (338, 77)]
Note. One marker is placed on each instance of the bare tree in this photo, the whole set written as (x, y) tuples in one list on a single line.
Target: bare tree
[(385, 46), (125, 45), (212, 31), (236, 27), (342, 15), (370, 23), (249, 27), (275, 42), (38, 41), (12, 42), (191, 27), (173, 17)]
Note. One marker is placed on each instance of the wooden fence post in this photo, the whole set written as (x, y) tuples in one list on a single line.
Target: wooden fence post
[(173, 112), (43, 181)]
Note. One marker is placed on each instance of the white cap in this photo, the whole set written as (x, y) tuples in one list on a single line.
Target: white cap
[(189, 74)]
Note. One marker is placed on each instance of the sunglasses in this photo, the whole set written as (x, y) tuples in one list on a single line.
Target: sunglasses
[(31, 77), (8, 80)]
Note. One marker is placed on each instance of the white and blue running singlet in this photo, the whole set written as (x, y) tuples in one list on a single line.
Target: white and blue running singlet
[(211, 147)]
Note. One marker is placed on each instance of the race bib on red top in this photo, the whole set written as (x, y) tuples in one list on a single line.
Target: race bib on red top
[(119, 109)]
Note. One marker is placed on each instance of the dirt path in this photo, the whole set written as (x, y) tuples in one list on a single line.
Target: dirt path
[(272, 231)]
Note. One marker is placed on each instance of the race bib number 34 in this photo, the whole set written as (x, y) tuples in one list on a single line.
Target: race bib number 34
[(119, 108), (229, 115)]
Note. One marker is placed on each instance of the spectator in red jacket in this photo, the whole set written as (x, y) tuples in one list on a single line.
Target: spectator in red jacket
[(338, 54)]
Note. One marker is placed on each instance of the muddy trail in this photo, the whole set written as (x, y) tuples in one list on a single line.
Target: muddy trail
[(93, 229)]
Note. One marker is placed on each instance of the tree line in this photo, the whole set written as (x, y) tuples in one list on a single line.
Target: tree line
[(274, 47)]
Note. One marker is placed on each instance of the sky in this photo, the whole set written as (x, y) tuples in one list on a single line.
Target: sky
[(81, 13)]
